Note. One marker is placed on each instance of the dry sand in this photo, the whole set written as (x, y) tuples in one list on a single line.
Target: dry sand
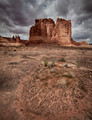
[(35, 83)]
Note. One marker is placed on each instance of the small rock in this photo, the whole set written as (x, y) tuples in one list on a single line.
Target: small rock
[(50, 65), (14, 50), (66, 65), (52, 71)]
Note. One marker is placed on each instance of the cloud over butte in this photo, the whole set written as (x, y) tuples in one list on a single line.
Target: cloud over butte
[(17, 16)]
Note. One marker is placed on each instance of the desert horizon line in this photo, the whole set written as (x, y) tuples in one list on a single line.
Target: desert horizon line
[(37, 19)]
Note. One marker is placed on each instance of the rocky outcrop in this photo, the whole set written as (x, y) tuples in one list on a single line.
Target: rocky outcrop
[(42, 31), (82, 43), (47, 31), (14, 41), (62, 32)]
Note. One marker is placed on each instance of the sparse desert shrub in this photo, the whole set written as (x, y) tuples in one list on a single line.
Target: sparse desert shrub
[(45, 63), (62, 60)]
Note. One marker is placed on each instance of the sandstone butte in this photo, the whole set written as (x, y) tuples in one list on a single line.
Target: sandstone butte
[(47, 31)]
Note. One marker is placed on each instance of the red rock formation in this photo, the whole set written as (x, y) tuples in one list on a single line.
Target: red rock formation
[(42, 31), (62, 32), (14, 41), (46, 31), (78, 43), (83, 43), (18, 39)]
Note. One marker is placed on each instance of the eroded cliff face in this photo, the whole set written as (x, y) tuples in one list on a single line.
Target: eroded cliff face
[(42, 31), (47, 31)]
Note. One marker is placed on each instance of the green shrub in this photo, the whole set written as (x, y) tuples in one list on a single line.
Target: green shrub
[(45, 63)]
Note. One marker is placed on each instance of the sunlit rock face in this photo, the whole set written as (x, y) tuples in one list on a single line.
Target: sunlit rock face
[(47, 31)]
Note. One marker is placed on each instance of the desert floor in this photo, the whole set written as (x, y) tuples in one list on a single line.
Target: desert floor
[(45, 83)]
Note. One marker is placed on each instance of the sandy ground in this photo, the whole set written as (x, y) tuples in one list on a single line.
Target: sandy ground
[(45, 83)]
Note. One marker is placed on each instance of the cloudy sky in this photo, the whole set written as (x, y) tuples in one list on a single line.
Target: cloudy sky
[(17, 16)]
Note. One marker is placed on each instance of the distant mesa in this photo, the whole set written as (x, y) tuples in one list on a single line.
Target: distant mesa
[(14, 41), (46, 31)]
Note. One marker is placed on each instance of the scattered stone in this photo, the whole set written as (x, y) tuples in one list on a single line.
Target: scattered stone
[(14, 50), (52, 71), (51, 64), (66, 65)]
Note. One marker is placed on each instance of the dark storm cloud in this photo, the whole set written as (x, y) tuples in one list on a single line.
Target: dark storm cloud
[(18, 11), (18, 31), (80, 12), (81, 9), (88, 6), (84, 12), (15, 14), (33, 2), (18, 15), (62, 7)]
